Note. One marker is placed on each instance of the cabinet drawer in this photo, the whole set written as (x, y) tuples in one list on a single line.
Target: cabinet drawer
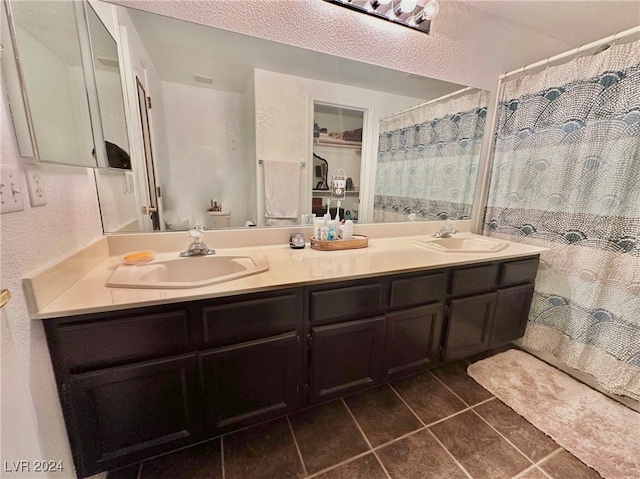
[(345, 303), (97, 344), (418, 290), (479, 279), (240, 321), (519, 272)]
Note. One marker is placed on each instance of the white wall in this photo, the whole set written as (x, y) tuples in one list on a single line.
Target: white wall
[(284, 125), (117, 199), (32, 424), (205, 140)]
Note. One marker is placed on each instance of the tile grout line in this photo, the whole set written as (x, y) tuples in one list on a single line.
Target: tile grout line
[(295, 442), (384, 469), (443, 419), (357, 424), (450, 390), (457, 413), (406, 404), (449, 453), (546, 458), (365, 438), (521, 474), (504, 437), (341, 463)]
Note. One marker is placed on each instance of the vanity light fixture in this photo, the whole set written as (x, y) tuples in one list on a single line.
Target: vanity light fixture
[(415, 14)]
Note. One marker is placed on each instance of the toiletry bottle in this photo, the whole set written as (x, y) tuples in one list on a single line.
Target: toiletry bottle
[(331, 234), (317, 224), (347, 230)]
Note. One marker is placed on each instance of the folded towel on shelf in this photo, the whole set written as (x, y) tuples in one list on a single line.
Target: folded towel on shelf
[(281, 192)]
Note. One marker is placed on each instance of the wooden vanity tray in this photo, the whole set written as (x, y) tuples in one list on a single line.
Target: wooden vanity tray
[(358, 241)]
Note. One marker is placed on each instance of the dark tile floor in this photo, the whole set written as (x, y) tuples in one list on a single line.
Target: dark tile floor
[(437, 424)]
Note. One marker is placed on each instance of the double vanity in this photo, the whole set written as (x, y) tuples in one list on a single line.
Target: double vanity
[(144, 370)]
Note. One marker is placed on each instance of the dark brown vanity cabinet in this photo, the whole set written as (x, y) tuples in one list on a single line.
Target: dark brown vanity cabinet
[(137, 383), (345, 339), (364, 333), (128, 384), (252, 368), (485, 308), (142, 382)]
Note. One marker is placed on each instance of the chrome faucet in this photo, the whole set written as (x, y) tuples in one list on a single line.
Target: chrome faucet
[(197, 247), (446, 231)]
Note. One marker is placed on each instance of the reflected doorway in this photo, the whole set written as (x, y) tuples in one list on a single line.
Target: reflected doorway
[(153, 208)]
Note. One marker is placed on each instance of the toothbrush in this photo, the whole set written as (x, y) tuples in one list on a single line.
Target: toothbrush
[(338, 213)]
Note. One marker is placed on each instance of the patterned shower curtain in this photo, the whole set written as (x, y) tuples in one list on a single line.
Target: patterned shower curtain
[(428, 160), (566, 176)]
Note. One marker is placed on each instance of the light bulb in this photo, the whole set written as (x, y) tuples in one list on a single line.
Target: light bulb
[(374, 4), (431, 9), (407, 6)]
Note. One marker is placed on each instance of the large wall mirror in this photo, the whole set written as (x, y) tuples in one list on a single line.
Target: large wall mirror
[(212, 113), (225, 105)]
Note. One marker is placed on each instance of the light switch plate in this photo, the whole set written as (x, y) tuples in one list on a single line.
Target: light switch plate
[(35, 185), (11, 198)]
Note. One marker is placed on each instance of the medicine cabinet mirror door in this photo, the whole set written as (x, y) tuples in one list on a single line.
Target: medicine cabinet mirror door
[(108, 82), (51, 104)]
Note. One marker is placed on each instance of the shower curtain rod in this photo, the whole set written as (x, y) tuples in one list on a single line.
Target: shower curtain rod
[(443, 97), (574, 52)]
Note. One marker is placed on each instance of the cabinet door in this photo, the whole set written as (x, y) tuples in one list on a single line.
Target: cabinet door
[(512, 312), (346, 357), (413, 337), (469, 325), (250, 382), (125, 414)]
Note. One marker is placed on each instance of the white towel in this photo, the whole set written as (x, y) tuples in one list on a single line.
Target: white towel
[(281, 192)]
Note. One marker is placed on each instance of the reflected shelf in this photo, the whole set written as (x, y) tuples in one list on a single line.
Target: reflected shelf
[(356, 145), (328, 192)]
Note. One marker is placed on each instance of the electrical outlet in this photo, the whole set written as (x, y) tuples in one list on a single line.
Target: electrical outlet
[(35, 185), (10, 195)]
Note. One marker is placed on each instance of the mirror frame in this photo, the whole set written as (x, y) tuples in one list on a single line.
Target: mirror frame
[(19, 105)]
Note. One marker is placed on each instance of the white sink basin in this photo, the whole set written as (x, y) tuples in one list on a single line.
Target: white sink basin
[(461, 245), (189, 272)]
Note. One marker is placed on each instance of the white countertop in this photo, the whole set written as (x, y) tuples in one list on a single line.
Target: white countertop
[(287, 268)]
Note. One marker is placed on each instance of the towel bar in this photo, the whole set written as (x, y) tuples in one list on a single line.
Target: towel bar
[(302, 163), (5, 296)]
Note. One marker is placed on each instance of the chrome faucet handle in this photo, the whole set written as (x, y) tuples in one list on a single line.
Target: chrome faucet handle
[(197, 247), (446, 231)]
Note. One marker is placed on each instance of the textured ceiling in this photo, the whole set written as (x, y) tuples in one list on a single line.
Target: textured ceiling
[(572, 22), (471, 42)]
